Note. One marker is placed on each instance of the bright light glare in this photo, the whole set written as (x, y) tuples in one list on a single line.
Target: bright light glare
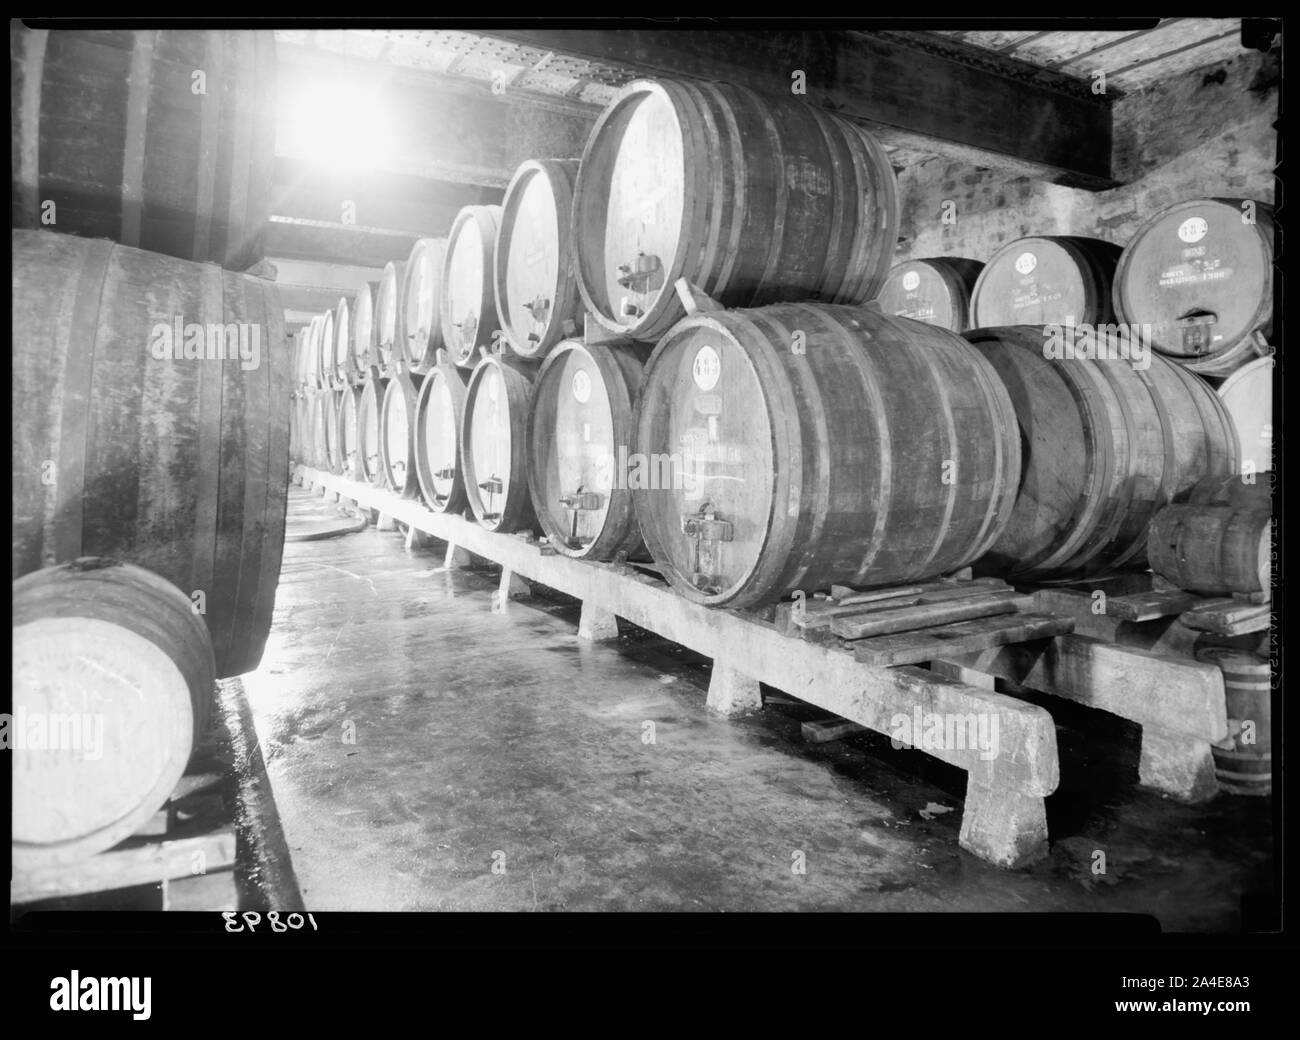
[(335, 124)]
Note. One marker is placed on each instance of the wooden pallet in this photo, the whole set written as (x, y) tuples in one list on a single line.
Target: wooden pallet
[(1131, 654), (187, 848), (913, 624), (1220, 615), (1004, 818)]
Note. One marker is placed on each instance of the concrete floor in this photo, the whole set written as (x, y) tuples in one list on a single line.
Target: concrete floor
[(414, 738)]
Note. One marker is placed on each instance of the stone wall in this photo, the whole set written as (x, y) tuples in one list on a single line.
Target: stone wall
[(1207, 132)]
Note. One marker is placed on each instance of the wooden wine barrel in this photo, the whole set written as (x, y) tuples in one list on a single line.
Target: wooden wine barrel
[(369, 408), (494, 443), (869, 450), (1105, 445), (299, 361), (114, 668), (421, 299), (177, 465), (1202, 277), (318, 420), (439, 415), (536, 291), (397, 434), (329, 417), (304, 428), (752, 199), (325, 352), (468, 307), (579, 437), (935, 290), (365, 343), (1212, 549), (311, 355), (1247, 394), (1246, 766), (114, 129), (1046, 281), (342, 347), (390, 339), (349, 405)]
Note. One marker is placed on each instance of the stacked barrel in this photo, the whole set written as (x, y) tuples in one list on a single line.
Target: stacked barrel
[(661, 304), (151, 414)]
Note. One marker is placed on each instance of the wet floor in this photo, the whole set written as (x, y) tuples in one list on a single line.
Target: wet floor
[(426, 753)]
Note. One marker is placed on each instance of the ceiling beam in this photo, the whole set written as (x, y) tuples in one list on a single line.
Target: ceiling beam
[(917, 91)]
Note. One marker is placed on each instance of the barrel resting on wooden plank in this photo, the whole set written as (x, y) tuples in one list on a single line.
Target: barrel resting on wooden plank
[(1004, 820), (1179, 703)]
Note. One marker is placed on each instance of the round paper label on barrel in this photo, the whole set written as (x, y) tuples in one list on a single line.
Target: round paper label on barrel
[(911, 280), (706, 368), (1026, 262), (1193, 229), (581, 386)]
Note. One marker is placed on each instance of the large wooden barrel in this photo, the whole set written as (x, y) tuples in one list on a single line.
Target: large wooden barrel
[(369, 409), (1105, 444), (341, 348), (752, 199), (311, 355), (536, 290), (299, 359), (1046, 281), (439, 415), (1245, 765), (468, 309), (349, 404), (121, 449), (365, 348), (390, 339), (579, 437), (325, 352), (1200, 274), (1247, 394), (397, 433), (317, 420), (163, 140), (1212, 549), (798, 445), (421, 300), (330, 422), (935, 290), (494, 443), (112, 667)]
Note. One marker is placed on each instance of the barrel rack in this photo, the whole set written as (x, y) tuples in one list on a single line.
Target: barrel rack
[(187, 848), (1179, 703)]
